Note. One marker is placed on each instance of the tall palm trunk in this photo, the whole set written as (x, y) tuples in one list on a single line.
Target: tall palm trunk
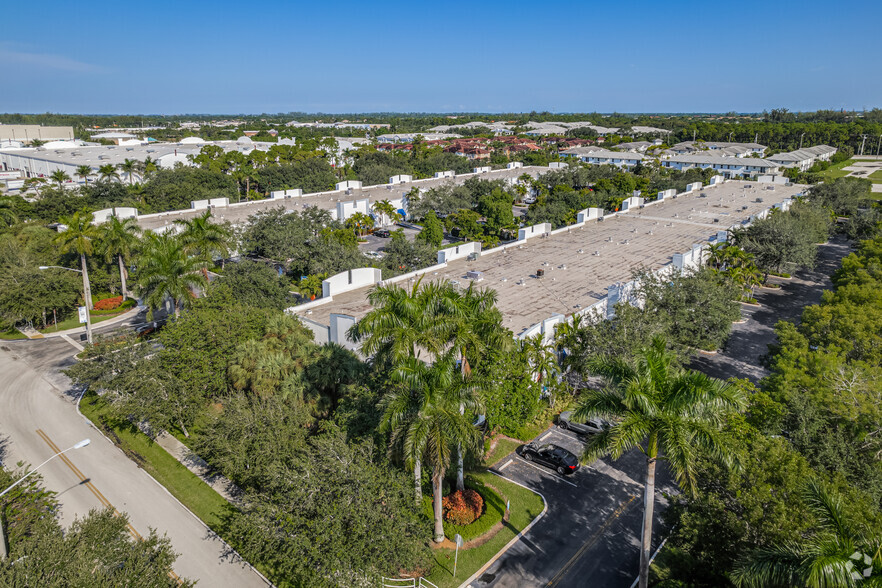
[(460, 468), (648, 506), (123, 274), (418, 481), (87, 290), (439, 517)]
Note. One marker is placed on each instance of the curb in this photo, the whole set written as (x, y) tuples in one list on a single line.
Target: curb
[(210, 531), (515, 539), (77, 330)]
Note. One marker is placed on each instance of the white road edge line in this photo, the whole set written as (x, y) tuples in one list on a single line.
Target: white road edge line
[(558, 478), (515, 539), (506, 464), (211, 533)]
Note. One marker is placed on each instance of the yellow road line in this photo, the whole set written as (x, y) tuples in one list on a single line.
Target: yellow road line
[(88, 484), (590, 543)]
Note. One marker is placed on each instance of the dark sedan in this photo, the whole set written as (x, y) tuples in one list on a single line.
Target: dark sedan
[(552, 456), (382, 233)]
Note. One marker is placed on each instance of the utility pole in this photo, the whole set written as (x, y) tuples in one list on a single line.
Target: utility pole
[(878, 144), (800, 140), (862, 143)]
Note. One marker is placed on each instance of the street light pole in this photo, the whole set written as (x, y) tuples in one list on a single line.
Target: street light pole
[(4, 551), (85, 300)]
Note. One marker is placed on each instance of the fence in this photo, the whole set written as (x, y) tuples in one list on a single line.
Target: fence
[(407, 583)]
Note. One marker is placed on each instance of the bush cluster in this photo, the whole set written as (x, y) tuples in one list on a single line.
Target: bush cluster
[(462, 507), (109, 303)]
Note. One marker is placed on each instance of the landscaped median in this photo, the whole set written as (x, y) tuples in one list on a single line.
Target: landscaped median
[(486, 534)]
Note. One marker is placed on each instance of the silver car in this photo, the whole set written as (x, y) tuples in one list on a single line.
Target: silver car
[(589, 427)]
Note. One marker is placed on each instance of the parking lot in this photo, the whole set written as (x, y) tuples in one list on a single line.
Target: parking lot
[(590, 535)]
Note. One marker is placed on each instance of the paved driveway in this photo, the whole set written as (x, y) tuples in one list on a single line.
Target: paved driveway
[(590, 535)]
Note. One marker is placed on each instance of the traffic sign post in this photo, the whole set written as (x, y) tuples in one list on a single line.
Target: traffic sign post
[(458, 540)]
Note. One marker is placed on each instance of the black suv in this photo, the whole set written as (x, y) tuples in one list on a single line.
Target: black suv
[(382, 233), (552, 456)]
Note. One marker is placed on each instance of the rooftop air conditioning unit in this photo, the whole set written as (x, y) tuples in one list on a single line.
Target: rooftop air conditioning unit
[(759, 199), (540, 273)]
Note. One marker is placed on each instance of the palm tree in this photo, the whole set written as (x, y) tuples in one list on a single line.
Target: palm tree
[(8, 216), (400, 327), (129, 167), (149, 167), (360, 222), (402, 323), (108, 172), (384, 209), (840, 551), (543, 359), (168, 272), (84, 171), (79, 236), (205, 239), (59, 176), (474, 324), (663, 410), (433, 421), (119, 238)]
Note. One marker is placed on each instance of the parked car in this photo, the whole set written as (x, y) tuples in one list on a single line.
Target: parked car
[(589, 427), (552, 456), (382, 233)]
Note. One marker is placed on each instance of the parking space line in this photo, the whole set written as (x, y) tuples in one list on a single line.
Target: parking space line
[(505, 465), (554, 477), (546, 435)]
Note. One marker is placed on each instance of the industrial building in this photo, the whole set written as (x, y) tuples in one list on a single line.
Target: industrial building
[(546, 276)]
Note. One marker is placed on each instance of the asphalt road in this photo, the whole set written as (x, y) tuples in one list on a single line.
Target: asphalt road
[(38, 414), (590, 535)]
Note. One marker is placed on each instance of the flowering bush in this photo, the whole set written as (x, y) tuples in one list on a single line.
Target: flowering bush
[(462, 508), (109, 303)]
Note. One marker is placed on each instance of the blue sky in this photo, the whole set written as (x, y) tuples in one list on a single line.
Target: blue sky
[(250, 57)]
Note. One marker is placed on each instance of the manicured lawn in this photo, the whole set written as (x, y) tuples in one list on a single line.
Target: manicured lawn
[(876, 177), (525, 506), (503, 448), (836, 171), (12, 335)]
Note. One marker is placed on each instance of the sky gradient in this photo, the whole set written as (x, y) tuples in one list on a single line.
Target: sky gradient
[(371, 56)]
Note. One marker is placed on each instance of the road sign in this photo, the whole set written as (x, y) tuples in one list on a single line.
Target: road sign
[(82, 310), (458, 540)]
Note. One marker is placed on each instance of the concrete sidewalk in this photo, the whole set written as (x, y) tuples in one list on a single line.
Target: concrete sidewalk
[(198, 466), (31, 333)]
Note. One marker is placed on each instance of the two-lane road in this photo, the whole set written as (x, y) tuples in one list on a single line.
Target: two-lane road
[(37, 416)]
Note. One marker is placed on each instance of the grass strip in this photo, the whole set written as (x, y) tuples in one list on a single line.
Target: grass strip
[(525, 506), (195, 494), (502, 449)]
